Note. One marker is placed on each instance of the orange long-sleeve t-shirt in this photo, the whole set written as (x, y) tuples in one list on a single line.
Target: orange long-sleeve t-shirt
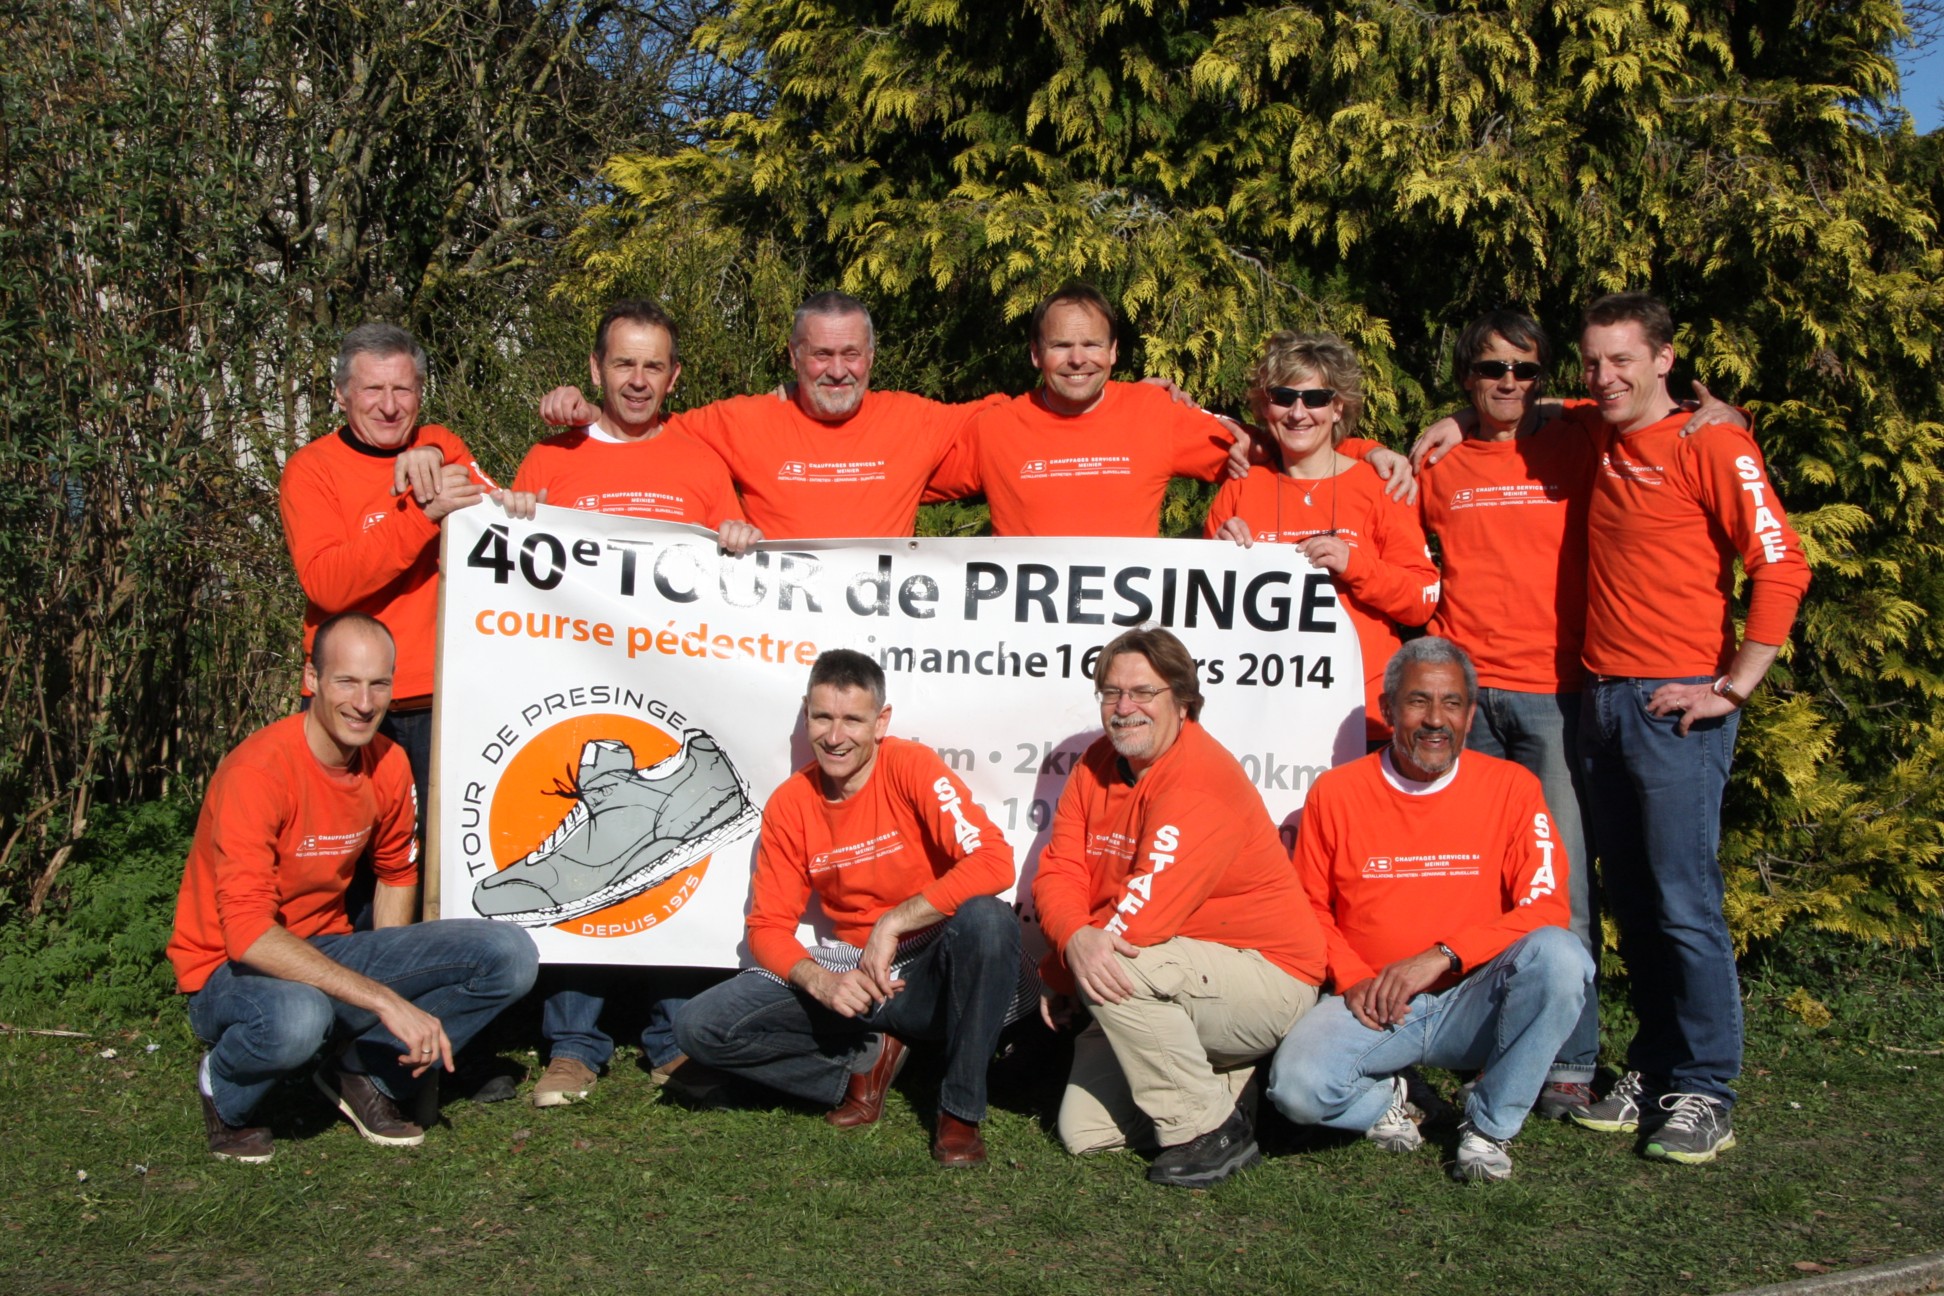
[(913, 829), (276, 842), (1670, 514), (358, 547), (1101, 473), (667, 477), (1510, 517), (1389, 580), (1188, 850), (802, 479), (1475, 864)]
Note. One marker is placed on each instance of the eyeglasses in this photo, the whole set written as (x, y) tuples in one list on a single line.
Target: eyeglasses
[(1493, 370), (1310, 397), (1143, 694)]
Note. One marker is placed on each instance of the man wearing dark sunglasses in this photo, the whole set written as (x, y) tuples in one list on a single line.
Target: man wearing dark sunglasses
[(1508, 506)]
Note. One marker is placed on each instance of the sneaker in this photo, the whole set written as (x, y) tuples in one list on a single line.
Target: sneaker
[(1397, 1129), (1208, 1159), (628, 830), (1697, 1128), (1619, 1111), (1561, 1098), (567, 1080), (376, 1117), (250, 1144), (1481, 1158)]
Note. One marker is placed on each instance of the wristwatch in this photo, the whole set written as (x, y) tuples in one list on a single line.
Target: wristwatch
[(1457, 964), (1722, 688)]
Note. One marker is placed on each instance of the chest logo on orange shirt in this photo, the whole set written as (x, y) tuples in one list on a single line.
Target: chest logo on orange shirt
[(373, 519), (1420, 867), (603, 824), (1511, 496), (839, 472), (1640, 474), (1078, 466), (318, 845), (882, 846)]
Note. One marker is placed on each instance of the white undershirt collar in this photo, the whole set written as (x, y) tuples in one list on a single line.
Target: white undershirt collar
[(1414, 787)]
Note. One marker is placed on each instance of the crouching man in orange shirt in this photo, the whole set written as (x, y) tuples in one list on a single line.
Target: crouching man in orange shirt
[(1440, 885), (908, 869), (1171, 908), (263, 946)]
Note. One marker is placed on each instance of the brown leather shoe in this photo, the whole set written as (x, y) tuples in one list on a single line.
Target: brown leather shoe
[(365, 1106), (864, 1099), (956, 1142), (250, 1144)]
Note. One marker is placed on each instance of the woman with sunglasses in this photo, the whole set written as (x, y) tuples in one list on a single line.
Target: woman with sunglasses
[(1307, 392)]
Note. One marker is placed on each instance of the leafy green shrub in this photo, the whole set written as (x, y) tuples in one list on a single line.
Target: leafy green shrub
[(97, 948)]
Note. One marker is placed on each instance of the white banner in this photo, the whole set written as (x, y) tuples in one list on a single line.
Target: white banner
[(616, 698)]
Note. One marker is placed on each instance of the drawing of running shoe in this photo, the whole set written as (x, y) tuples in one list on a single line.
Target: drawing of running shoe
[(628, 830)]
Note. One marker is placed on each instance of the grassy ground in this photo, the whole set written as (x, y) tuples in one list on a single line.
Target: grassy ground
[(105, 1186)]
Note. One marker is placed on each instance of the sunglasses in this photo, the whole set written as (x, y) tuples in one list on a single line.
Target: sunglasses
[(1493, 370), (1310, 397)]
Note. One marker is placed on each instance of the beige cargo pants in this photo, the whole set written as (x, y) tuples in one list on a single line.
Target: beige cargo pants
[(1167, 1064)]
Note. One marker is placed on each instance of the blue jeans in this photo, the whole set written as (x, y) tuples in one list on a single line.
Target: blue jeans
[(956, 989), (1541, 732), (259, 1027), (1507, 1018), (1656, 802), (570, 1016)]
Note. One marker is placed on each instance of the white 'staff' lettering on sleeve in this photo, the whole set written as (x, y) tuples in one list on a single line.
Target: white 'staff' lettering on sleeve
[(1543, 883), (965, 833), (1767, 527), (1140, 886)]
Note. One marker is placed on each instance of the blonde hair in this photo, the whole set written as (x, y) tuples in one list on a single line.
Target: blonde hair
[(1286, 354)]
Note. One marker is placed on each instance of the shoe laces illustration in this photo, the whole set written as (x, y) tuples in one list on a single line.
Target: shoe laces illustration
[(627, 830)]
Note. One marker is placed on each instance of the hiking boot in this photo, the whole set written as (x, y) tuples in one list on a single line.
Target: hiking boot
[(1481, 1158), (1206, 1160), (628, 830), (250, 1144), (1561, 1098), (567, 1080), (1697, 1128), (365, 1105), (1397, 1129), (1619, 1111)]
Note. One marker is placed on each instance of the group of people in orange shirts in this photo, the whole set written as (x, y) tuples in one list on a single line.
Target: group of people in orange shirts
[(1577, 696)]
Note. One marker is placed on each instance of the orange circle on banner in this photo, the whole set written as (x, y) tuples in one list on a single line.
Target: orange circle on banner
[(528, 805)]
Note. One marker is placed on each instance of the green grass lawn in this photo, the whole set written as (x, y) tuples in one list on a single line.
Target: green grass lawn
[(105, 1186)]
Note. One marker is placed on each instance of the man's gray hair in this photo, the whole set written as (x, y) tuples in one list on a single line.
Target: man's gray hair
[(1428, 651), (832, 303), (380, 340)]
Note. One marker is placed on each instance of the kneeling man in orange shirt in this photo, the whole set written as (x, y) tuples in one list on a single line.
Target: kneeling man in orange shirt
[(908, 868), (1172, 910), (1440, 885)]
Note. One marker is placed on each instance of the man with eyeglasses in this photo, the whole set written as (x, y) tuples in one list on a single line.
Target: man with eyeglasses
[(1174, 917)]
